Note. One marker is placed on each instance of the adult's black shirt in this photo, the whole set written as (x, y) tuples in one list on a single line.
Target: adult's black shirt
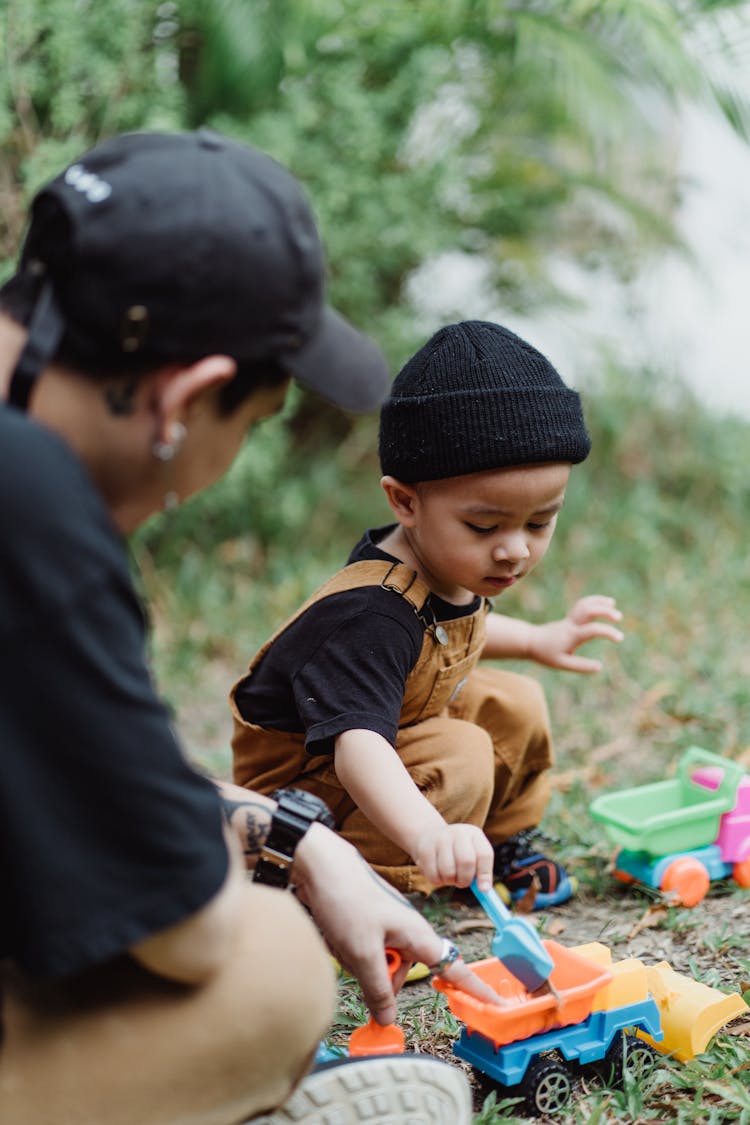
[(107, 835), (344, 663)]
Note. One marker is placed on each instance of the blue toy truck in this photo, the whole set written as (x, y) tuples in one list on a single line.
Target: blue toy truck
[(610, 1016)]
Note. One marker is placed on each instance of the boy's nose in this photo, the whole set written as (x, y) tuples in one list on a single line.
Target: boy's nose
[(511, 548)]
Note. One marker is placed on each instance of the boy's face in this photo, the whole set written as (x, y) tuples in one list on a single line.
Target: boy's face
[(483, 532)]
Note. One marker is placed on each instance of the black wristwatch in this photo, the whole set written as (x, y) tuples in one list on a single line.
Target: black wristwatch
[(296, 810)]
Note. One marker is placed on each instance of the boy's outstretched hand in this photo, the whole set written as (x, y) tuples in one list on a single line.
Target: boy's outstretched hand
[(555, 642)]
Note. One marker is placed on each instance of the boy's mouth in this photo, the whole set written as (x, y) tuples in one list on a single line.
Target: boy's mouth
[(502, 583)]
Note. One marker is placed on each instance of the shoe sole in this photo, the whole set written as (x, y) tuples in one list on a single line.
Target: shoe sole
[(390, 1090)]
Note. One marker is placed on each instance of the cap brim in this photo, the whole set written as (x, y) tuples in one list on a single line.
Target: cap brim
[(341, 364)]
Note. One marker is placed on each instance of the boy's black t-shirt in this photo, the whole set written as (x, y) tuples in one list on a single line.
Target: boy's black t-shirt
[(107, 834), (344, 663)]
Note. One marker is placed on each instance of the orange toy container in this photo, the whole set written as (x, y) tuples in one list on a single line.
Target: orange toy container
[(575, 978)]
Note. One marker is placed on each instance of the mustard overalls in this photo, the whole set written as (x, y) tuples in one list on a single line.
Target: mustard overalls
[(475, 741)]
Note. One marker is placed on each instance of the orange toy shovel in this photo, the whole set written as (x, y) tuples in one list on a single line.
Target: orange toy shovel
[(374, 1039)]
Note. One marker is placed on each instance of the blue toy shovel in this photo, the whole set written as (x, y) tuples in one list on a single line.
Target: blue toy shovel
[(516, 943)]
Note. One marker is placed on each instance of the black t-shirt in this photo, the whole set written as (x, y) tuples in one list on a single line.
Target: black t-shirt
[(344, 663), (108, 835)]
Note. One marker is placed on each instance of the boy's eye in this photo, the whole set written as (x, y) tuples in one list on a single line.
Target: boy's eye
[(481, 530), (538, 526)]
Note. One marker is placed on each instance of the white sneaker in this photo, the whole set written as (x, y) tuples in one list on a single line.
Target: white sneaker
[(385, 1090)]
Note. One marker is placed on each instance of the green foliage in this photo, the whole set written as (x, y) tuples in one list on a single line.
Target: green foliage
[(497, 1111), (72, 75), (505, 130)]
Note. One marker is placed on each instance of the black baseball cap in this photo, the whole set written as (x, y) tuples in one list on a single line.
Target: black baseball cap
[(188, 244)]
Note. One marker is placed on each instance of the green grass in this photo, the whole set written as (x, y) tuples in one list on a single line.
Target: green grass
[(657, 517)]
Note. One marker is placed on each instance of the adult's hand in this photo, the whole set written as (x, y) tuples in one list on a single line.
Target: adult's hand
[(359, 914)]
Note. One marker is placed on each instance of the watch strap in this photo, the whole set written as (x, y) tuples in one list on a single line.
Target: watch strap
[(295, 812)]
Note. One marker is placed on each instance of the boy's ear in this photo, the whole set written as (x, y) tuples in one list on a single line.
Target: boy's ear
[(402, 499)]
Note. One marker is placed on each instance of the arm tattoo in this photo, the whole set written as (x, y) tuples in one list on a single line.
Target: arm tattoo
[(256, 826)]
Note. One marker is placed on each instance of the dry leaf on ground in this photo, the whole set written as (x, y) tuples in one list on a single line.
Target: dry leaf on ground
[(653, 917), (473, 924), (555, 927)]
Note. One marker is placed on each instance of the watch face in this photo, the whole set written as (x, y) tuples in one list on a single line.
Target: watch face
[(304, 804), (296, 810)]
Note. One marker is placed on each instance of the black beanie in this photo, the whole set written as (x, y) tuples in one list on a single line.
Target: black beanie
[(478, 397)]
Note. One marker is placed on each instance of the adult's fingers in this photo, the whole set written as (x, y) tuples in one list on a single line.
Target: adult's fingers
[(377, 987)]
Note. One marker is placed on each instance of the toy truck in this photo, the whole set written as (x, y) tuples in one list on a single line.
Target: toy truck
[(610, 1016), (680, 834)]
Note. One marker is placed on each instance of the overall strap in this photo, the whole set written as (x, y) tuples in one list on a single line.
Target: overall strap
[(393, 576)]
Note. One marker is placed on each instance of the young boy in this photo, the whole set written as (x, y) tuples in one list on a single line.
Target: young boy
[(370, 696)]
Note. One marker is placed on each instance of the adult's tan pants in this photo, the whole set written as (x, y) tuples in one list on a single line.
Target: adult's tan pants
[(122, 1047)]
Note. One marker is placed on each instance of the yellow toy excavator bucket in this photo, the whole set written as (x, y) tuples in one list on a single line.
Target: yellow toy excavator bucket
[(691, 1012)]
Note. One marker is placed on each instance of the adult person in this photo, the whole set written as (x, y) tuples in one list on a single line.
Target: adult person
[(168, 287)]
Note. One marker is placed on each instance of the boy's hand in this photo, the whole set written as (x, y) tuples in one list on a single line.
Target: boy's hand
[(555, 642), (455, 854), (377, 780)]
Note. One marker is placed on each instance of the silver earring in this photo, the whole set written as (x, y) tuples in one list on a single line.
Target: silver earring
[(168, 450)]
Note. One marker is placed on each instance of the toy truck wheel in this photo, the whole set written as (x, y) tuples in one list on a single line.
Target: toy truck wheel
[(685, 881), (741, 873), (629, 1055), (545, 1087)]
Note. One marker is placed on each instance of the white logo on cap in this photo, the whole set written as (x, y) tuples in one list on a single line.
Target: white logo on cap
[(88, 183)]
